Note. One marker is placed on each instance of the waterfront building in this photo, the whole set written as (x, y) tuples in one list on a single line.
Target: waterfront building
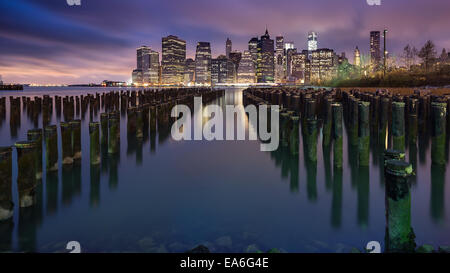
[(279, 59), (265, 69), (253, 49), (312, 43), (203, 63), (246, 71), (228, 47), (299, 67), (137, 77), (235, 56), (173, 60), (189, 72), (375, 50), (222, 70), (324, 63)]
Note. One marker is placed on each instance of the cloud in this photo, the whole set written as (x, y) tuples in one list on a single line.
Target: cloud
[(47, 40)]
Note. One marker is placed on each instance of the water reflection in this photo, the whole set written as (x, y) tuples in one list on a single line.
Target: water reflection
[(318, 185)]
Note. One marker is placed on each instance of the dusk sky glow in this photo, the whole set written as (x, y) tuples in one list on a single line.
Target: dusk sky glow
[(48, 41)]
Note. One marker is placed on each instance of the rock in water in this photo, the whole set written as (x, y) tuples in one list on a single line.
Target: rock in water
[(199, 249)]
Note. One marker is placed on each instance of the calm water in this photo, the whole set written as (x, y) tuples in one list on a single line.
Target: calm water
[(228, 195)]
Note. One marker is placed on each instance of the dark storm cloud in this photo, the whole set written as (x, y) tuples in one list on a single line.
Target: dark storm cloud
[(97, 40)]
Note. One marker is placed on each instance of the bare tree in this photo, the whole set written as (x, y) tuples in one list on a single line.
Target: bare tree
[(428, 54)]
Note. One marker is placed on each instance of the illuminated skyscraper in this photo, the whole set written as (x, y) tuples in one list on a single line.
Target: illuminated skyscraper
[(222, 70), (289, 53), (203, 63), (253, 49), (189, 71), (265, 69), (312, 42), (375, 50), (228, 47), (299, 66), (279, 59), (142, 58), (173, 60), (324, 63), (246, 71), (151, 75), (235, 56), (147, 66), (357, 58)]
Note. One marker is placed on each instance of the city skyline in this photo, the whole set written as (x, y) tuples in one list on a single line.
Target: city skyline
[(61, 44)]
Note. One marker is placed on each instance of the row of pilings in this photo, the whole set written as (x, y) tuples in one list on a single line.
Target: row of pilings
[(146, 113), (391, 120), (378, 117)]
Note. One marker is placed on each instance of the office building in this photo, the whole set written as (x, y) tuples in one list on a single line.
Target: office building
[(228, 47), (173, 60), (375, 50), (265, 69), (246, 71), (203, 63), (312, 43)]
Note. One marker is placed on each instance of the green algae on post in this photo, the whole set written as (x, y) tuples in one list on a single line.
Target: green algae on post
[(51, 148), (6, 204), (36, 136), (26, 175), (400, 236), (76, 138), (66, 141), (94, 136)]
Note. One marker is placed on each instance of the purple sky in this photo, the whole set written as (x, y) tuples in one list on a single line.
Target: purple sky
[(47, 41)]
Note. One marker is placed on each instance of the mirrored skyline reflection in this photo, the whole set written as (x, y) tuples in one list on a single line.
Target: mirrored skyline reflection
[(170, 196), (62, 44)]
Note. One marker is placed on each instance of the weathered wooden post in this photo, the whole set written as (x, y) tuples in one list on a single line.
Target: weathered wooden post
[(327, 123), (311, 139), (26, 176), (36, 136), (76, 139), (398, 125), (94, 135), (399, 234), (51, 148), (104, 128), (139, 124), (6, 204), (294, 136), (114, 133), (363, 133), (66, 141), (439, 114), (337, 135)]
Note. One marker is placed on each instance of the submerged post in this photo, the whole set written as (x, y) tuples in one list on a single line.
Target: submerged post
[(398, 125), (337, 135), (36, 136), (94, 135), (66, 141), (6, 204), (104, 128), (76, 138), (294, 136), (363, 133), (311, 140), (51, 148), (26, 175), (439, 114), (399, 234), (114, 133)]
